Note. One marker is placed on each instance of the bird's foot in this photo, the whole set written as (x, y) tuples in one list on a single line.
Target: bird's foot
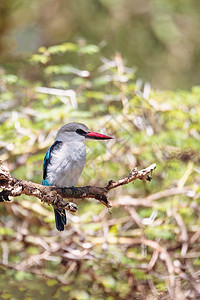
[(63, 189), (73, 189)]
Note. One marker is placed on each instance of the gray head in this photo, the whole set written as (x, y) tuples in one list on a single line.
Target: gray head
[(78, 132)]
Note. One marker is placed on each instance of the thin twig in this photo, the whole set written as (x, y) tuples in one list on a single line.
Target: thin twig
[(127, 200), (183, 231)]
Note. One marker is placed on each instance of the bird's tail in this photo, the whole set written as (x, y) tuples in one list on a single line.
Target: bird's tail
[(60, 218)]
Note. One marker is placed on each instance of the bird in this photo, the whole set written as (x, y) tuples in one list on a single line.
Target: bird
[(65, 159)]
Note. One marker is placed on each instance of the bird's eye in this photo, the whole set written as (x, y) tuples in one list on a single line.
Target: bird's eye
[(81, 132)]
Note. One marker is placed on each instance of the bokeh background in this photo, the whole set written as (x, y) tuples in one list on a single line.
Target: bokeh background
[(129, 69), (159, 38)]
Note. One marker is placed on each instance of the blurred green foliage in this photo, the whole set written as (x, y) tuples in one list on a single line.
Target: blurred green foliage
[(98, 256), (160, 38)]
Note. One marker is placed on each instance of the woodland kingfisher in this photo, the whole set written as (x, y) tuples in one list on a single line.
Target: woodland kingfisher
[(65, 159)]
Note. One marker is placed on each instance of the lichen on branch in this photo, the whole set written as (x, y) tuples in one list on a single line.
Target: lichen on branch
[(53, 195)]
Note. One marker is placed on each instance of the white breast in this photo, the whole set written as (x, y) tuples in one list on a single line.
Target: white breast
[(67, 164)]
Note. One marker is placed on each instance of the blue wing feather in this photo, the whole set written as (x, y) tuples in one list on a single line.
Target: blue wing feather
[(47, 158), (45, 182), (60, 215), (45, 164)]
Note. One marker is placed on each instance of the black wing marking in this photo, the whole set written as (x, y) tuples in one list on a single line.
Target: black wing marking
[(47, 158)]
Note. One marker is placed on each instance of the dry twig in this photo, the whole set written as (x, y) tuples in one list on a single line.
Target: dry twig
[(53, 195), (183, 232)]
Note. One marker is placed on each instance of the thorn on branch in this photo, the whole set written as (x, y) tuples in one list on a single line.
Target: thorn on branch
[(110, 182), (149, 178)]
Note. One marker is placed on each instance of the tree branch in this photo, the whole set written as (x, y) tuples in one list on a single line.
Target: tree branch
[(53, 195)]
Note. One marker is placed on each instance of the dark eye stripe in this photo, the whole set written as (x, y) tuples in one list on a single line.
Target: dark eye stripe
[(81, 132)]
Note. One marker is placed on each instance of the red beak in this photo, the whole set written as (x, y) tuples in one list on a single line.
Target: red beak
[(97, 136)]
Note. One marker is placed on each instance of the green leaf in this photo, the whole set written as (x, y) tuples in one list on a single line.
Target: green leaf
[(6, 231), (89, 49), (66, 288), (10, 78), (51, 282), (71, 47), (32, 250), (39, 58), (6, 296)]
